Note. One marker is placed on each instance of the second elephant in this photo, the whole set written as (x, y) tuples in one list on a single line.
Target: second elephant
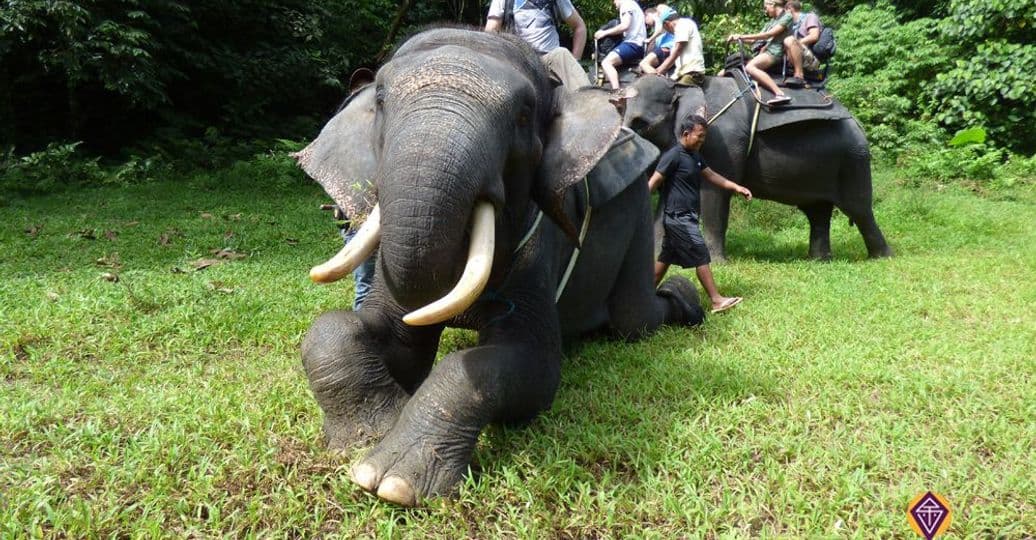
[(813, 164)]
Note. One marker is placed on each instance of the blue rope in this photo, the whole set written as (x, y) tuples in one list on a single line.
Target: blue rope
[(493, 296)]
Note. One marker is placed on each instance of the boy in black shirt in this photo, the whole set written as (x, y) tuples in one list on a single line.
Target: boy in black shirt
[(682, 170)]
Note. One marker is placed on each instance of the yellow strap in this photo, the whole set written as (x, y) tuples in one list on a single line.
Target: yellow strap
[(755, 123)]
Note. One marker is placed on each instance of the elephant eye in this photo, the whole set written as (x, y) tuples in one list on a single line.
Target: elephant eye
[(524, 117)]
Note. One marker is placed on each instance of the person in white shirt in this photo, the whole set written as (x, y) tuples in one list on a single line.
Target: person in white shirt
[(687, 53), (534, 22), (634, 34)]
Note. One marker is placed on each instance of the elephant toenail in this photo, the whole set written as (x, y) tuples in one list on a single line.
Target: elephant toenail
[(365, 476), (396, 490)]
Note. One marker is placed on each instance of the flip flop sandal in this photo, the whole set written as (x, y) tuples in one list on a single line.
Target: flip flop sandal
[(794, 82), (778, 100), (731, 302)]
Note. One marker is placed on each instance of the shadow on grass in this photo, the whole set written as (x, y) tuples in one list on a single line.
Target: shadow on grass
[(762, 246), (618, 411)]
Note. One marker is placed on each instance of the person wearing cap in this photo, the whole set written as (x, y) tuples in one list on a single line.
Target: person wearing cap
[(660, 42), (534, 22), (687, 54), (634, 34)]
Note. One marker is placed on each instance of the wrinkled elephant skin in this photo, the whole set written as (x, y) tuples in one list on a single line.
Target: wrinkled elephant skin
[(455, 120)]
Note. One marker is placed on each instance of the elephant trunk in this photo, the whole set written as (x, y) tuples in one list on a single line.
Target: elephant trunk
[(431, 178)]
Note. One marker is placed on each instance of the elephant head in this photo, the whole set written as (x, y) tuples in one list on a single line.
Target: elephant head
[(446, 151), (656, 104)]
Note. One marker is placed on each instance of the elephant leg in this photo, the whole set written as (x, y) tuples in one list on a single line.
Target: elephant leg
[(819, 215), (362, 367), (715, 214), (428, 451), (635, 308), (868, 227)]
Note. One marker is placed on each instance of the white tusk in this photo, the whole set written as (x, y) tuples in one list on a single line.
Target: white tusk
[(475, 276), (353, 254)]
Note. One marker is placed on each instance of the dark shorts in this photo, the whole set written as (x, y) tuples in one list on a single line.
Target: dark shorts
[(629, 53), (661, 54), (683, 244)]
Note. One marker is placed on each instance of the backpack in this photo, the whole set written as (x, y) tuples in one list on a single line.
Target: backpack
[(605, 46), (548, 6), (825, 46)]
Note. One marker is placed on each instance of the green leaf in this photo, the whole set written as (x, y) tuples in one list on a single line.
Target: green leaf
[(975, 135)]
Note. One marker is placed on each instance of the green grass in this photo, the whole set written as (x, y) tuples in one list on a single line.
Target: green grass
[(172, 401)]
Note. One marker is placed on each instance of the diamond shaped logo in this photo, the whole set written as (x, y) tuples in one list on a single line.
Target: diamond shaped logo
[(929, 515)]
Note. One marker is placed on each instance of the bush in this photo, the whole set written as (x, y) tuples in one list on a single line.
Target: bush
[(54, 168), (993, 87), (881, 71), (969, 160)]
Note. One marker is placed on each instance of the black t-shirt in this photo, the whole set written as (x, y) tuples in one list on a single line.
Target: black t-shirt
[(682, 171)]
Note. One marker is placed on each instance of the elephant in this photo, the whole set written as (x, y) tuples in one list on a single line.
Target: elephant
[(455, 151), (812, 158)]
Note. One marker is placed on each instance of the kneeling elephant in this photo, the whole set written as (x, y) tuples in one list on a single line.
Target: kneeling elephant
[(456, 151)]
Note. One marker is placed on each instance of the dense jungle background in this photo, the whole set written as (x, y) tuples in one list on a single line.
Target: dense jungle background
[(122, 91)]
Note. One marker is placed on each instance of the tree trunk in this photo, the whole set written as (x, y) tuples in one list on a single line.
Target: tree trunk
[(8, 128), (404, 7)]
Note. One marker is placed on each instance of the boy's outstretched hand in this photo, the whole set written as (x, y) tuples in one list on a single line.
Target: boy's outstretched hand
[(744, 191)]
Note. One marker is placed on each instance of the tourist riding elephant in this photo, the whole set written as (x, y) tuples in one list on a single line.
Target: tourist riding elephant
[(456, 151), (815, 159)]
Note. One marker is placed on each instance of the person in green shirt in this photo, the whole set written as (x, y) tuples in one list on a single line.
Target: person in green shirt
[(778, 28)]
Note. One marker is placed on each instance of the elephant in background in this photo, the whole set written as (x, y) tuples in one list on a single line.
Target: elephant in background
[(811, 159), (456, 151)]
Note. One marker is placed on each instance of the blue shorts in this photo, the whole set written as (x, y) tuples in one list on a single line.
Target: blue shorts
[(629, 53), (661, 53)]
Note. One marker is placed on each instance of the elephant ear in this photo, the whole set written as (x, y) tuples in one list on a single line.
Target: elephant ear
[(582, 131), (342, 157), (629, 157)]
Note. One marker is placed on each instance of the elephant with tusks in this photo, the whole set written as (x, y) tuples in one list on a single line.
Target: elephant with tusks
[(495, 202)]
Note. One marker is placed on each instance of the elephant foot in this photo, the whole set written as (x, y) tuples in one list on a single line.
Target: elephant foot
[(718, 258), (360, 399), (684, 301), (410, 465), (367, 424), (820, 255), (880, 253)]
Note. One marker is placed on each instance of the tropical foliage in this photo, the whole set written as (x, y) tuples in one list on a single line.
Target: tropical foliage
[(202, 84)]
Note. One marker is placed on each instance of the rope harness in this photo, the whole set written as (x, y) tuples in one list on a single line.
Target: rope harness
[(575, 252)]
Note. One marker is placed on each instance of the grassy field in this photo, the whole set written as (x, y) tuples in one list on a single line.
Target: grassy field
[(150, 381)]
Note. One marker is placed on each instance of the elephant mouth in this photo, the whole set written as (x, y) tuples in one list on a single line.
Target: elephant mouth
[(468, 288)]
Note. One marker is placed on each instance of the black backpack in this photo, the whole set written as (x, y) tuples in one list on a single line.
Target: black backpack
[(825, 46), (605, 46)]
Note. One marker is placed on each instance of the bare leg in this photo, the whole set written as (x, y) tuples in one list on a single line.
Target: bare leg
[(757, 69), (660, 269), (648, 64), (794, 50), (704, 273), (609, 65)]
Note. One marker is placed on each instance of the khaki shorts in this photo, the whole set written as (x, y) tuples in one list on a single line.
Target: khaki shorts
[(692, 78), (809, 61)]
